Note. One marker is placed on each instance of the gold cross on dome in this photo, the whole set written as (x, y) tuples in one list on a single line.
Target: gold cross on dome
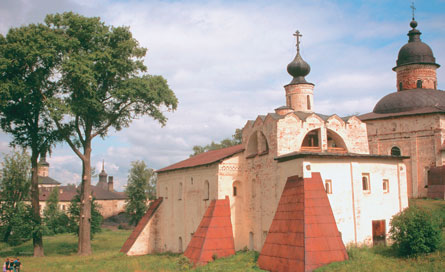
[(413, 8), (298, 35)]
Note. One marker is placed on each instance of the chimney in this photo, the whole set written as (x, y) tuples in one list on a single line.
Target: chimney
[(110, 184)]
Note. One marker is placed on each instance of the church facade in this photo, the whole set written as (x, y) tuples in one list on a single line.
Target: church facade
[(411, 121), (366, 166)]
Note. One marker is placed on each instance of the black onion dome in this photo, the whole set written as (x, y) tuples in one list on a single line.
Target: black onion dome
[(298, 68), (410, 100), (415, 51)]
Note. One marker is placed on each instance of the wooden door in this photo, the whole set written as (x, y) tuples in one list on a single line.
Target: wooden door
[(378, 232)]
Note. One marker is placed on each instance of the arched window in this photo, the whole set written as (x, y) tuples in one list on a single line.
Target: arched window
[(366, 186), (419, 84), (180, 191), (206, 190), (311, 141), (262, 144), (252, 145), (180, 244), (251, 241), (395, 151), (308, 98), (236, 188), (335, 142), (328, 186), (400, 86)]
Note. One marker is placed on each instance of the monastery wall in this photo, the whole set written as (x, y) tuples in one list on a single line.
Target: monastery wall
[(109, 208), (354, 209), (420, 137), (187, 194)]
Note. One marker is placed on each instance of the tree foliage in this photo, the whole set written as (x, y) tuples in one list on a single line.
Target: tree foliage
[(141, 186), (28, 58), (16, 226), (56, 221), (235, 140), (74, 216), (415, 231), (102, 85)]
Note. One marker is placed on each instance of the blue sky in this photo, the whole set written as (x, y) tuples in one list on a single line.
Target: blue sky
[(226, 62)]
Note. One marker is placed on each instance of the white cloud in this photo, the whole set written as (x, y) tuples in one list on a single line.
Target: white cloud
[(227, 63)]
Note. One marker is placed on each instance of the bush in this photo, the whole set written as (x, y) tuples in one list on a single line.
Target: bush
[(415, 232)]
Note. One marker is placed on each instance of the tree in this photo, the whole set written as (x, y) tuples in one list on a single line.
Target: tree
[(74, 216), (227, 142), (28, 57), (415, 231), (101, 86), (15, 184), (141, 186), (55, 220)]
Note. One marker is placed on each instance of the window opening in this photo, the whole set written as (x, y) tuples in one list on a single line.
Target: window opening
[(206, 190), (234, 191), (308, 98), (180, 191), (400, 86), (328, 186), (419, 84), (365, 183), (180, 244), (312, 139), (395, 151), (385, 186), (166, 192)]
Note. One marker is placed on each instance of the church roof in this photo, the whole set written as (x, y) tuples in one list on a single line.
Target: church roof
[(415, 51), (296, 155), (205, 158), (409, 100), (47, 181), (66, 193)]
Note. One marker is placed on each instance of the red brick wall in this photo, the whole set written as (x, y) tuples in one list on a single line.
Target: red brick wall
[(409, 75)]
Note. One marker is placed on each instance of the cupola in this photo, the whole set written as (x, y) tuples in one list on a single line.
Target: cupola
[(416, 65), (299, 92)]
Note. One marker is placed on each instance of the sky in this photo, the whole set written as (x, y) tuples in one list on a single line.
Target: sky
[(226, 62)]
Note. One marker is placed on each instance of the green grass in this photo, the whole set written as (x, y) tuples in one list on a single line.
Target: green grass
[(60, 251), (384, 258), (60, 255)]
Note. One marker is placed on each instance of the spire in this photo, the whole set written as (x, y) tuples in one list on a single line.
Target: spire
[(103, 173), (298, 68)]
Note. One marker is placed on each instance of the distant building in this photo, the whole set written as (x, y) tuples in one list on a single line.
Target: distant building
[(110, 202)]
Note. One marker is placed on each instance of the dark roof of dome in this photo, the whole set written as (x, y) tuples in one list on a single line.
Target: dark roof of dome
[(410, 100), (415, 51), (298, 68)]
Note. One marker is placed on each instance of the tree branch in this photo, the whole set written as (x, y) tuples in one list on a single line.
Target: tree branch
[(70, 143)]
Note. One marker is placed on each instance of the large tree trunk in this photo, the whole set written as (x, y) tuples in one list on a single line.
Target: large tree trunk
[(84, 244), (37, 239)]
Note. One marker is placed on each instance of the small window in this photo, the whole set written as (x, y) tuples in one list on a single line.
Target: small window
[(385, 186), (180, 191), (166, 192), (328, 186), (419, 84), (395, 151), (365, 183), (308, 98), (234, 191), (400, 86), (206, 190), (180, 244), (191, 181)]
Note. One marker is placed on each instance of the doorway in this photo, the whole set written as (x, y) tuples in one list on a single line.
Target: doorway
[(378, 232)]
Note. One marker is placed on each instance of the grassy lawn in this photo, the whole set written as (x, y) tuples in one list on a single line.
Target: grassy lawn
[(383, 258), (60, 251)]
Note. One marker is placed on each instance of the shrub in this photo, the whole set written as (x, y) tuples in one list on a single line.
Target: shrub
[(415, 232)]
